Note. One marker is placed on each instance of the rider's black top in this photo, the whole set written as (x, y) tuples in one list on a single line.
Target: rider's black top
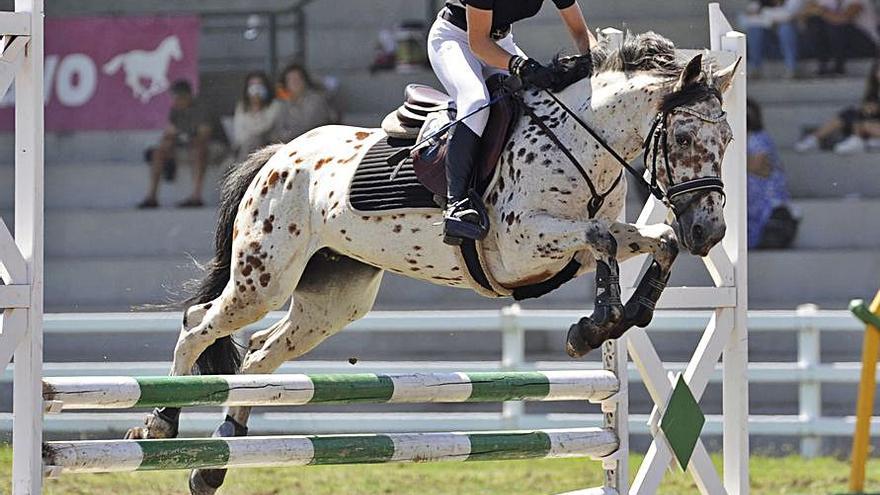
[(504, 12)]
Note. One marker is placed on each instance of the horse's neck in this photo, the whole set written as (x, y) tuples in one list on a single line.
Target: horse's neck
[(618, 107)]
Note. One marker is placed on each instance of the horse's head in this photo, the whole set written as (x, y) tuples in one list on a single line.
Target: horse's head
[(685, 150), (171, 45)]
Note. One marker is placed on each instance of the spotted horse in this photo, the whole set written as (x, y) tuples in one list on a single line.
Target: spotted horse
[(287, 231)]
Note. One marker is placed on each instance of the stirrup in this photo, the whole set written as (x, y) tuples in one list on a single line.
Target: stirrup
[(465, 219)]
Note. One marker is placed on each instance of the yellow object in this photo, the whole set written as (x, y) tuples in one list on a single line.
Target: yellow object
[(864, 406)]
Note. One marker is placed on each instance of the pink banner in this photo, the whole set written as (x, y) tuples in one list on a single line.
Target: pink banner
[(113, 73)]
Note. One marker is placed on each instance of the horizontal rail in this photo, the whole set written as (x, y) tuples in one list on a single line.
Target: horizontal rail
[(775, 372), (15, 23), (146, 455), (457, 321), (122, 392), (278, 423)]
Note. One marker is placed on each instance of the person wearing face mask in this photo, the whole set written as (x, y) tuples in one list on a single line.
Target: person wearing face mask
[(254, 116), (303, 105)]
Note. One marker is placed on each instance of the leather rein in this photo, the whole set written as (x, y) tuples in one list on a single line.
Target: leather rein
[(655, 143)]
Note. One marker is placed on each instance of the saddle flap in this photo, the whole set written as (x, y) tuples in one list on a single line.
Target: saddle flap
[(429, 162)]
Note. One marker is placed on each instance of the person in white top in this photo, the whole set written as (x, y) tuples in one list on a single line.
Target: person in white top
[(841, 29), (762, 17), (255, 115)]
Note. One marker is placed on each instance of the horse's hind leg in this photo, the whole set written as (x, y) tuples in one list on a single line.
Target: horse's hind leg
[(259, 284), (332, 292), (660, 241)]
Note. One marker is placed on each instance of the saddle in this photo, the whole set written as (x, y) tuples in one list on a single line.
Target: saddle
[(426, 109)]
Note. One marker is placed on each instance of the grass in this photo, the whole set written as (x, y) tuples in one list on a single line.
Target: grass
[(770, 476)]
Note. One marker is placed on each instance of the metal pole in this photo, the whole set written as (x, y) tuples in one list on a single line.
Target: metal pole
[(513, 350), (27, 463), (865, 403)]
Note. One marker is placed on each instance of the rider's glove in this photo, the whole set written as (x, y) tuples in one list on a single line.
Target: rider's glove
[(531, 72)]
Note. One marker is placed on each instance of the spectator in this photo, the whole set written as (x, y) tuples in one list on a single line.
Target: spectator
[(190, 128), (766, 16), (856, 129), (303, 105), (839, 29), (255, 115), (771, 224)]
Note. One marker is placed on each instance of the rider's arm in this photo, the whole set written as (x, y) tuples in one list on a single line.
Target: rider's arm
[(479, 24), (577, 27)]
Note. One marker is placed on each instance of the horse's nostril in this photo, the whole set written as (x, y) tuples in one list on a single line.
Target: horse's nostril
[(698, 233)]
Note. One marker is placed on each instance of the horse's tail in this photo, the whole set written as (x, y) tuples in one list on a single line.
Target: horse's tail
[(223, 357), (115, 63)]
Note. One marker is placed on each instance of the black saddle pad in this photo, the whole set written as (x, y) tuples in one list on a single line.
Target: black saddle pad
[(373, 190)]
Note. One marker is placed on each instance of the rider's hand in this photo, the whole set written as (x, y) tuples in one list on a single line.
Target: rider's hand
[(531, 72)]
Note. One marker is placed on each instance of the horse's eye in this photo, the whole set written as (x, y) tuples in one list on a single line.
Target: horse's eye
[(683, 140)]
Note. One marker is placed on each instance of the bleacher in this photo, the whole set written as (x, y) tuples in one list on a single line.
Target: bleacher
[(102, 254)]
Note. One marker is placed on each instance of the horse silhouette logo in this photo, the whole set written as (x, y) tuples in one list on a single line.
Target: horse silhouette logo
[(141, 66)]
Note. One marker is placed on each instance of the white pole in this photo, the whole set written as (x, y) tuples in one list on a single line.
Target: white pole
[(27, 464), (735, 380)]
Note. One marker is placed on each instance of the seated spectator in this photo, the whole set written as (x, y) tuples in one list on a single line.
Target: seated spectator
[(838, 29), (856, 129), (771, 223), (254, 116), (191, 129), (767, 16), (303, 105)]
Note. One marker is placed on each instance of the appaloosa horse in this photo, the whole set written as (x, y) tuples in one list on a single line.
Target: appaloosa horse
[(286, 230)]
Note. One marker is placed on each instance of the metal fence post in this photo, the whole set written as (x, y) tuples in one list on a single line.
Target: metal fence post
[(809, 390), (513, 352)]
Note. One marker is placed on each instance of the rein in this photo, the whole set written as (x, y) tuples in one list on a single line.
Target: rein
[(656, 141)]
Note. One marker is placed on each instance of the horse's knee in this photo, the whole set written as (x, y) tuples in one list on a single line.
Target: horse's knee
[(667, 248), (600, 238)]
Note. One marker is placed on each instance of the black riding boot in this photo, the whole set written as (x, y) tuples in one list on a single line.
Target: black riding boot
[(465, 216)]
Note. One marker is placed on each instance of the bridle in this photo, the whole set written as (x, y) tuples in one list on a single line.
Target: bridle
[(655, 144), (657, 141)]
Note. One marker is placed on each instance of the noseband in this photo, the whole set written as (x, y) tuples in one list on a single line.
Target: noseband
[(656, 142)]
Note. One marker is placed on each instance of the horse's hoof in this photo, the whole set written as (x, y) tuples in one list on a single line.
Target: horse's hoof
[(205, 481), (137, 433), (156, 426), (576, 345)]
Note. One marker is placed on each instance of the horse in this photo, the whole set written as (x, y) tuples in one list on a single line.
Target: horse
[(285, 231), (142, 65)]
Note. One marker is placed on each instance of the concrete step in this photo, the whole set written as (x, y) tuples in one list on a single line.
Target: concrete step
[(127, 232), (786, 122), (838, 224), (90, 146), (77, 284), (828, 175), (845, 91), (108, 185)]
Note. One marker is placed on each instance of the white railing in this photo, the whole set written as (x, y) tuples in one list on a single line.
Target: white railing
[(808, 371)]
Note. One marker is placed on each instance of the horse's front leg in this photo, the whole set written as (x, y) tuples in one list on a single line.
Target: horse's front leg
[(659, 240)]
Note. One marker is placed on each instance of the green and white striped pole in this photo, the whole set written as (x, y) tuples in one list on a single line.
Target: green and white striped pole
[(291, 390), (148, 455)]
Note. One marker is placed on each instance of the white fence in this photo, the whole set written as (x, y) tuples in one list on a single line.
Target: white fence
[(808, 371)]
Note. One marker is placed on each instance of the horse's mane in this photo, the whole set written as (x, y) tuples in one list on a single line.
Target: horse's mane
[(644, 53)]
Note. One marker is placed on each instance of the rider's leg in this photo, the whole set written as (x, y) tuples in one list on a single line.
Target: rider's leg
[(461, 73)]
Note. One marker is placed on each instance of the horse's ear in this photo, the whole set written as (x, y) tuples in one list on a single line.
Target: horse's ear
[(691, 73), (724, 77)]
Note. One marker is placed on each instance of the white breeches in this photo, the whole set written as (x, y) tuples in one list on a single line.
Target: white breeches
[(462, 73)]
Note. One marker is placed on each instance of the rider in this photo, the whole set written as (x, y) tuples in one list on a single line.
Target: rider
[(470, 41)]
